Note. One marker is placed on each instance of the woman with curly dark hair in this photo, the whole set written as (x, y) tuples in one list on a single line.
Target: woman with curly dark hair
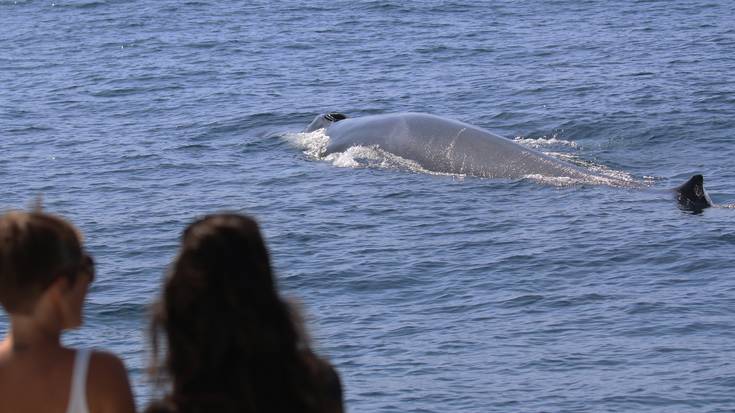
[(232, 343)]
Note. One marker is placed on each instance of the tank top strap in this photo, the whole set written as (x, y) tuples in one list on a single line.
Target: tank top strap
[(78, 391)]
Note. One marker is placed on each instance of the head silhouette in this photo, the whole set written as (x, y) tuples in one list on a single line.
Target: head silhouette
[(36, 249), (233, 343)]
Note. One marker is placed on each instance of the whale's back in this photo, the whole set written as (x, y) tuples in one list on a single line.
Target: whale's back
[(444, 145)]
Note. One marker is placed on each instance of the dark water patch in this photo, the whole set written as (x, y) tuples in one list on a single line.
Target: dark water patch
[(726, 382), (195, 148), (206, 44), (522, 301), (712, 329), (584, 299), (301, 46), (646, 402), (118, 92), (647, 308), (81, 4), (670, 350), (115, 311), (29, 130), (385, 6)]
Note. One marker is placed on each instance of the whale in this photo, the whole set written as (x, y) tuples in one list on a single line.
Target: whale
[(442, 145)]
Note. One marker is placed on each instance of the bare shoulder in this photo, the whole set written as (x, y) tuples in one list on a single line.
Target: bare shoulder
[(104, 361), (108, 388), (4, 350)]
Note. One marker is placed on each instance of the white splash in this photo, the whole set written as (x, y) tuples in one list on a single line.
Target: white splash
[(538, 143), (314, 145), (600, 174), (560, 181)]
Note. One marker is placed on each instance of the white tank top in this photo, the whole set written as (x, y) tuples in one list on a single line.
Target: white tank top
[(78, 391)]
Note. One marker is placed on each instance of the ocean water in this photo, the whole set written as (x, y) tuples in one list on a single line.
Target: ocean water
[(429, 293)]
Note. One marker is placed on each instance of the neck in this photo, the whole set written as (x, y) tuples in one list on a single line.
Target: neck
[(28, 333)]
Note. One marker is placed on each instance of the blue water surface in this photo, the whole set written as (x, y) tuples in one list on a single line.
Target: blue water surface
[(429, 293)]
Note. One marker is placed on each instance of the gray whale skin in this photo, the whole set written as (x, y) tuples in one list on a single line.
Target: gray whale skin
[(444, 145)]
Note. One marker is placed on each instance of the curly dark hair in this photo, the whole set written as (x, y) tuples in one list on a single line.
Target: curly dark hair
[(233, 344)]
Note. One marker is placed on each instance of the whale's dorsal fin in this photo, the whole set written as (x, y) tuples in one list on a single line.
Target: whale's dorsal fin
[(691, 195)]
